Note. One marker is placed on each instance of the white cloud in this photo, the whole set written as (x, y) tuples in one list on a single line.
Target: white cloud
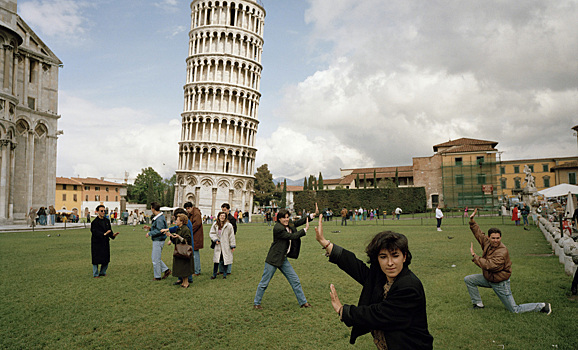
[(521, 45), (168, 5), (101, 141), (178, 30), (406, 75), (293, 154), (55, 18)]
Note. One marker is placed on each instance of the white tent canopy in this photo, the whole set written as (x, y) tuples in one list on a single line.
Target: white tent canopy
[(172, 209), (559, 190)]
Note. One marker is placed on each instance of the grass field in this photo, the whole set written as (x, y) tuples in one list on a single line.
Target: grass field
[(50, 300)]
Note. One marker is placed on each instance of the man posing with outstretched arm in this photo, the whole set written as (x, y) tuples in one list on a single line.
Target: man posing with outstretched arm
[(496, 271), (286, 244)]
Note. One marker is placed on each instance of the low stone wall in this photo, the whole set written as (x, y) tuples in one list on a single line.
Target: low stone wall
[(564, 246)]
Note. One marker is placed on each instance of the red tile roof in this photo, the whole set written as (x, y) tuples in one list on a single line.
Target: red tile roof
[(294, 188), (463, 142), (95, 181), (331, 181), (67, 181), (569, 165), (468, 148)]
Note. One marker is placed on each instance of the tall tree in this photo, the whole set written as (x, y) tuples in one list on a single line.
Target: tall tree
[(311, 182), (148, 187), (169, 191), (320, 182), (396, 178), (264, 185), (364, 181), (357, 181), (284, 195), (305, 185), (374, 179)]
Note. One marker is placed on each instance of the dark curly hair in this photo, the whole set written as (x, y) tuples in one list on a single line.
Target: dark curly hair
[(391, 241)]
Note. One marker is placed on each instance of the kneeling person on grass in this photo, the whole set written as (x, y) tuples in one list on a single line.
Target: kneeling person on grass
[(496, 271)]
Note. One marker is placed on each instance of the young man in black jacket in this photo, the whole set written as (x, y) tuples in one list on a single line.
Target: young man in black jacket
[(286, 244)]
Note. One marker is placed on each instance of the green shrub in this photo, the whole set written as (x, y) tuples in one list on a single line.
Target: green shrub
[(409, 199)]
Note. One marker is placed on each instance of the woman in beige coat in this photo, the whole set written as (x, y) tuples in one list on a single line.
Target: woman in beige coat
[(223, 238)]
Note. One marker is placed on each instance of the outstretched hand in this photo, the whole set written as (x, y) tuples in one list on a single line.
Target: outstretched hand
[(316, 209), (473, 215), (319, 232), (337, 306), (321, 238), (472, 248)]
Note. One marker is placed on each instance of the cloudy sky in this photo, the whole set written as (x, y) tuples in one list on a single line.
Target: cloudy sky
[(346, 83)]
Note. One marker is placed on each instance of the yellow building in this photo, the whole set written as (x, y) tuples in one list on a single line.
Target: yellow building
[(547, 172), (68, 194)]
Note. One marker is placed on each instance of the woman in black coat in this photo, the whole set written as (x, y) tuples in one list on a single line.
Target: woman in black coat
[(392, 303), (182, 267)]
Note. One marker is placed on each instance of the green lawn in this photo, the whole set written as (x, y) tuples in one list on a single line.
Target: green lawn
[(50, 300)]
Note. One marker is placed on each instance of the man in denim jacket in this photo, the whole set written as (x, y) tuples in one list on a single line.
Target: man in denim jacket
[(160, 269)]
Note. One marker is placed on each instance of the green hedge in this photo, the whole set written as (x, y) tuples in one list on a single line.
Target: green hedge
[(409, 199)]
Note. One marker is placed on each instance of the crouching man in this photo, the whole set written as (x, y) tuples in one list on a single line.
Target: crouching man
[(496, 271)]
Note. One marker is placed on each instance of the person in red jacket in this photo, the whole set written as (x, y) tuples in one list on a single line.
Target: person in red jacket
[(496, 271)]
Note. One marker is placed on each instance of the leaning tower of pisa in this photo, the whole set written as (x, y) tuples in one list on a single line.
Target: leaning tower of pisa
[(220, 114)]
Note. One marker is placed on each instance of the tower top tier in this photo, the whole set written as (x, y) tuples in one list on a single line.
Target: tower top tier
[(244, 15)]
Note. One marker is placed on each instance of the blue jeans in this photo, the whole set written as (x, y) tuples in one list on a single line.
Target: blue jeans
[(502, 290), (221, 267), (290, 275), (197, 260), (52, 219), (158, 265), (103, 268)]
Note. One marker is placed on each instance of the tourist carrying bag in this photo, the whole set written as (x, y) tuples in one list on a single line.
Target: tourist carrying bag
[(183, 250)]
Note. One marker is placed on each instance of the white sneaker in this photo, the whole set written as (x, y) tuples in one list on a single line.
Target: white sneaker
[(439, 229)]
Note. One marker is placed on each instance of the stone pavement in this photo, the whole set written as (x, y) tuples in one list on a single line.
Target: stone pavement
[(57, 226)]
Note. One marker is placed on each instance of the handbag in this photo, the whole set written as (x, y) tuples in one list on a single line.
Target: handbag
[(213, 243), (183, 251)]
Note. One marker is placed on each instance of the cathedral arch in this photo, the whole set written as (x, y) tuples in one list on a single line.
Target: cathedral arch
[(224, 184), (207, 182)]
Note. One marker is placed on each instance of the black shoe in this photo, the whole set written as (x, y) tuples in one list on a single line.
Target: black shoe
[(213, 277), (177, 283), (547, 309)]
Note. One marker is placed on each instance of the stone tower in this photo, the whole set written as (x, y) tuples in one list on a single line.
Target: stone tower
[(219, 122), (28, 118)]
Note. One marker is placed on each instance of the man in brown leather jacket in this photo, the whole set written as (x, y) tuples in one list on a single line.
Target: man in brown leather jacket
[(198, 236), (497, 268)]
